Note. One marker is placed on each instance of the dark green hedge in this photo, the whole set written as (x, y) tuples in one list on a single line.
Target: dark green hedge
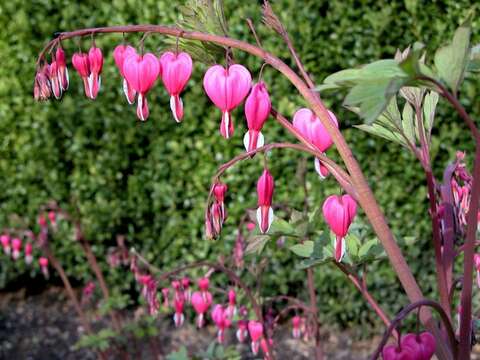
[(150, 180)]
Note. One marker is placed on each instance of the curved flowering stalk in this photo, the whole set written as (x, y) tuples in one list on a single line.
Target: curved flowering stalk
[(365, 195)]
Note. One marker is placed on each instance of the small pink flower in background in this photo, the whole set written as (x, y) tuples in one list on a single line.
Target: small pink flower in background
[(149, 292), (251, 226), (263, 344), (42, 221), (62, 68), (255, 329), (120, 53), (216, 214), (217, 211), (5, 240), (165, 293), (88, 291), (176, 71), (52, 216), (232, 301), (42, 89), (28, 253), (141, 72), (222, 320), (242, 331), (257, 109), (179, 317), (53, 76), (203, 284), (265, 187), (16, 248), (339, 212), (311, 127), (187, 292), (201, 301), (476, 260), (422, 345), (296, 327), (43, 262), (227, 88)]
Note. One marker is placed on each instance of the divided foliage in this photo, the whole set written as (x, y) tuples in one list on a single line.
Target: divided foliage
[(149, 180)]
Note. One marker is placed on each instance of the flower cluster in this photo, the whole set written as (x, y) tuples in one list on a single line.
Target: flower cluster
[(411, 347)]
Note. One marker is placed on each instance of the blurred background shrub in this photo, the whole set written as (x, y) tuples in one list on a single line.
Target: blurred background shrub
[(150, 180)]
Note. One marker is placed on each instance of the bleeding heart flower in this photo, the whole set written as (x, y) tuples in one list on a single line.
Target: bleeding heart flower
[(53, 75), (255, 328), (5, 240), (165, 292), (423, 345), (141, 72), (265, 187), (186, 289), (176, 71), (95, 60), (227, 88), (201, 301), (120, 53), (339, 212), (43, 262), (178, 317), (321, 169), (62, 68), (311, 127), (257, 109), (28, 253), (242, 331), (222, 320), (203, 284), (42, 89), (16, 247), (296, 324), (392, 352), (232, 301)]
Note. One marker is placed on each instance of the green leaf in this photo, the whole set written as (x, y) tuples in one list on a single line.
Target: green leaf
[(429, 105), (353, 243), (408, 123), (303, 250), (181, 354), (256, 244), (474, 60), (451, 60), (281, 227), (365, 248)]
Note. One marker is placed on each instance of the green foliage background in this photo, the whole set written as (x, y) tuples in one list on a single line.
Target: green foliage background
[(150, 180)]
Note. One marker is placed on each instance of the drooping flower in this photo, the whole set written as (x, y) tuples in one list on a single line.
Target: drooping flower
[(52, 216), (339, 212), (257, 109), (16, 248), (232, 303), (5, 240), (165, 292), (62, 68), (218, 213), (176, 71), (120, 53), (141, 72), (265, 187), (149, 292), (28, 253), (203, 284), (296, 327), (88, 291), (95, 60), (42, 90), (264, 346), (227, 88), (201, 301), (89, 67), (222, 320), (178, 317), (242, 331), (43, 262), (393, 352), (187, 292), (53, 76), (255, 329), (238, 251), (311, 127), (423, 345)]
